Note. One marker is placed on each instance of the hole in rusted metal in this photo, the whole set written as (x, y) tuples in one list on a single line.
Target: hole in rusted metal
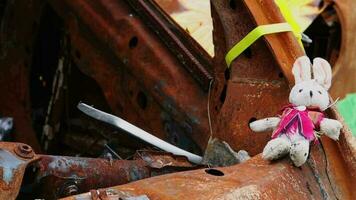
[(232, 4), (214, 172), (223, 94), (133, 42), (248, 53), (25, 147), (280, 75), (142, 100)]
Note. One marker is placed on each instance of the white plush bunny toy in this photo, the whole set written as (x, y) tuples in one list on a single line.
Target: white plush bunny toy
[(296, 127)]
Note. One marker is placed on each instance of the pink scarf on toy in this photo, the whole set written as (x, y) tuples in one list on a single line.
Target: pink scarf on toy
[(303, 122)]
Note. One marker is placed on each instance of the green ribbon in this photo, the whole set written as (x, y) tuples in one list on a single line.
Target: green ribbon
[(251, 37)]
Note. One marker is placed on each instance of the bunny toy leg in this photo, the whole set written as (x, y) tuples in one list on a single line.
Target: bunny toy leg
[(276, 148), (299, 150)]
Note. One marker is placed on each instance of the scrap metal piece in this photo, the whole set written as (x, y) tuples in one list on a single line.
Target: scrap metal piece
[(160, 160), (137, 132), (12, 168), (60, 176), (220, 154)]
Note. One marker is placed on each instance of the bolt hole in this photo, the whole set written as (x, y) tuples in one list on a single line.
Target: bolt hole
[(248, 53), (280, 75), (133, 42), (142, 100), (214, 172), (77, 54), (232, 4)]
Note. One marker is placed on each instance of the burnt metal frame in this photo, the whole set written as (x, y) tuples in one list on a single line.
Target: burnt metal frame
[(118, 44)]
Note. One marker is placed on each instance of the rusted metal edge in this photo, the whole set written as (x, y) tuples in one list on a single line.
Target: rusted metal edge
[(254, 179), (283, 46), (60, 176), (193, 57)]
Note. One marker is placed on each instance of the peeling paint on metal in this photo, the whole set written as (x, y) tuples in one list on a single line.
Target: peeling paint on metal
[(63, 164), (9, 163)]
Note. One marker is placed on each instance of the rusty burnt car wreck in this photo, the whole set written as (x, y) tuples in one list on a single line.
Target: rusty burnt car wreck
[(129, 58)]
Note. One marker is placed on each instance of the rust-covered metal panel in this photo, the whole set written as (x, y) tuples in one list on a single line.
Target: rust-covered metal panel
[(133, 61), (254, 179), (256, 85)]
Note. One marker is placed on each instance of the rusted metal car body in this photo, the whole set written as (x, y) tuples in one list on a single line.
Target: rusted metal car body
[(150, 72)]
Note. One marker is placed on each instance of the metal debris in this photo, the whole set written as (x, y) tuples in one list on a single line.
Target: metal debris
[(219, 154)]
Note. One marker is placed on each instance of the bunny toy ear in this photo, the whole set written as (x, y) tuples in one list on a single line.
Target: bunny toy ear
[(302, 69), (322, 72)]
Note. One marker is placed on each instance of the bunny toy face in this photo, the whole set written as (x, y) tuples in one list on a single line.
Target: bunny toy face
[(307, 91)]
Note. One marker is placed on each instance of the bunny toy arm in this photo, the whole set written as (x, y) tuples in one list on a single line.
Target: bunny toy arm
[(331, 128), (266, 124)]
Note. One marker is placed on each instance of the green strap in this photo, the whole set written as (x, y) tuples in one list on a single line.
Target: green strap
[(251, 37)]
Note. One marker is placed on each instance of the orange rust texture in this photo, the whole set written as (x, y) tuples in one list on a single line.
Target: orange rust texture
[(254, 179), (284, 47), (342, 156), (10, 190), (256, 87), (123, 70)]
